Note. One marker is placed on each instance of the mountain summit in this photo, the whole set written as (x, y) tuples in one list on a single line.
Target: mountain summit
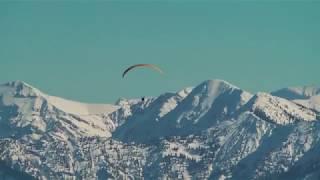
[(214, 130)]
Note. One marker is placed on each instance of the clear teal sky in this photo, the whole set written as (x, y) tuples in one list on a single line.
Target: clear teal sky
[(78, 50)]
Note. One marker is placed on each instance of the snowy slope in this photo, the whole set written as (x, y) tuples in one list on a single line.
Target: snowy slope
[(198, 109), (78, 108), (212, 131), (292, 93), (312, 103), (32, 112), (145, 116), (22, 89), (279, 110), (307, 96)]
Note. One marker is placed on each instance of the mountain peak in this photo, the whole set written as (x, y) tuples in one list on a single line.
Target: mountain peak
[(21, 89), (218, 83), (210, 89), (18, 83)]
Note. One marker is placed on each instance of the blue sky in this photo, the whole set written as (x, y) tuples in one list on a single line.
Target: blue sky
[(78, 50)]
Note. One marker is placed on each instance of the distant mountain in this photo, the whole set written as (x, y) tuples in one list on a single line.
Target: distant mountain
[(214, 130), (292, 93), (307, 96)]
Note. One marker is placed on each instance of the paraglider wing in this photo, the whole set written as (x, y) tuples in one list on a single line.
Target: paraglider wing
[(154, 67)]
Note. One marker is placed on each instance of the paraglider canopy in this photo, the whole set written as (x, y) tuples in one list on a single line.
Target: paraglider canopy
[(151, 66)]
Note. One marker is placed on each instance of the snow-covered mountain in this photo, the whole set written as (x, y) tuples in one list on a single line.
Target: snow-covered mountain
[(291, 93), (307, 96), (211, 131), (175, 114), (25, 111)]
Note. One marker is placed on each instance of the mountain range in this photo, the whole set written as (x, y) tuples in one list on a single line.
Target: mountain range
[(214, 130)]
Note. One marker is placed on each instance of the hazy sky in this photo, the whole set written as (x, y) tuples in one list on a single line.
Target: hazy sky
[(78, 50)]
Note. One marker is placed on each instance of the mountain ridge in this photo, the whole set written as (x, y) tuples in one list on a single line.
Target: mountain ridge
[(214, 130)]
